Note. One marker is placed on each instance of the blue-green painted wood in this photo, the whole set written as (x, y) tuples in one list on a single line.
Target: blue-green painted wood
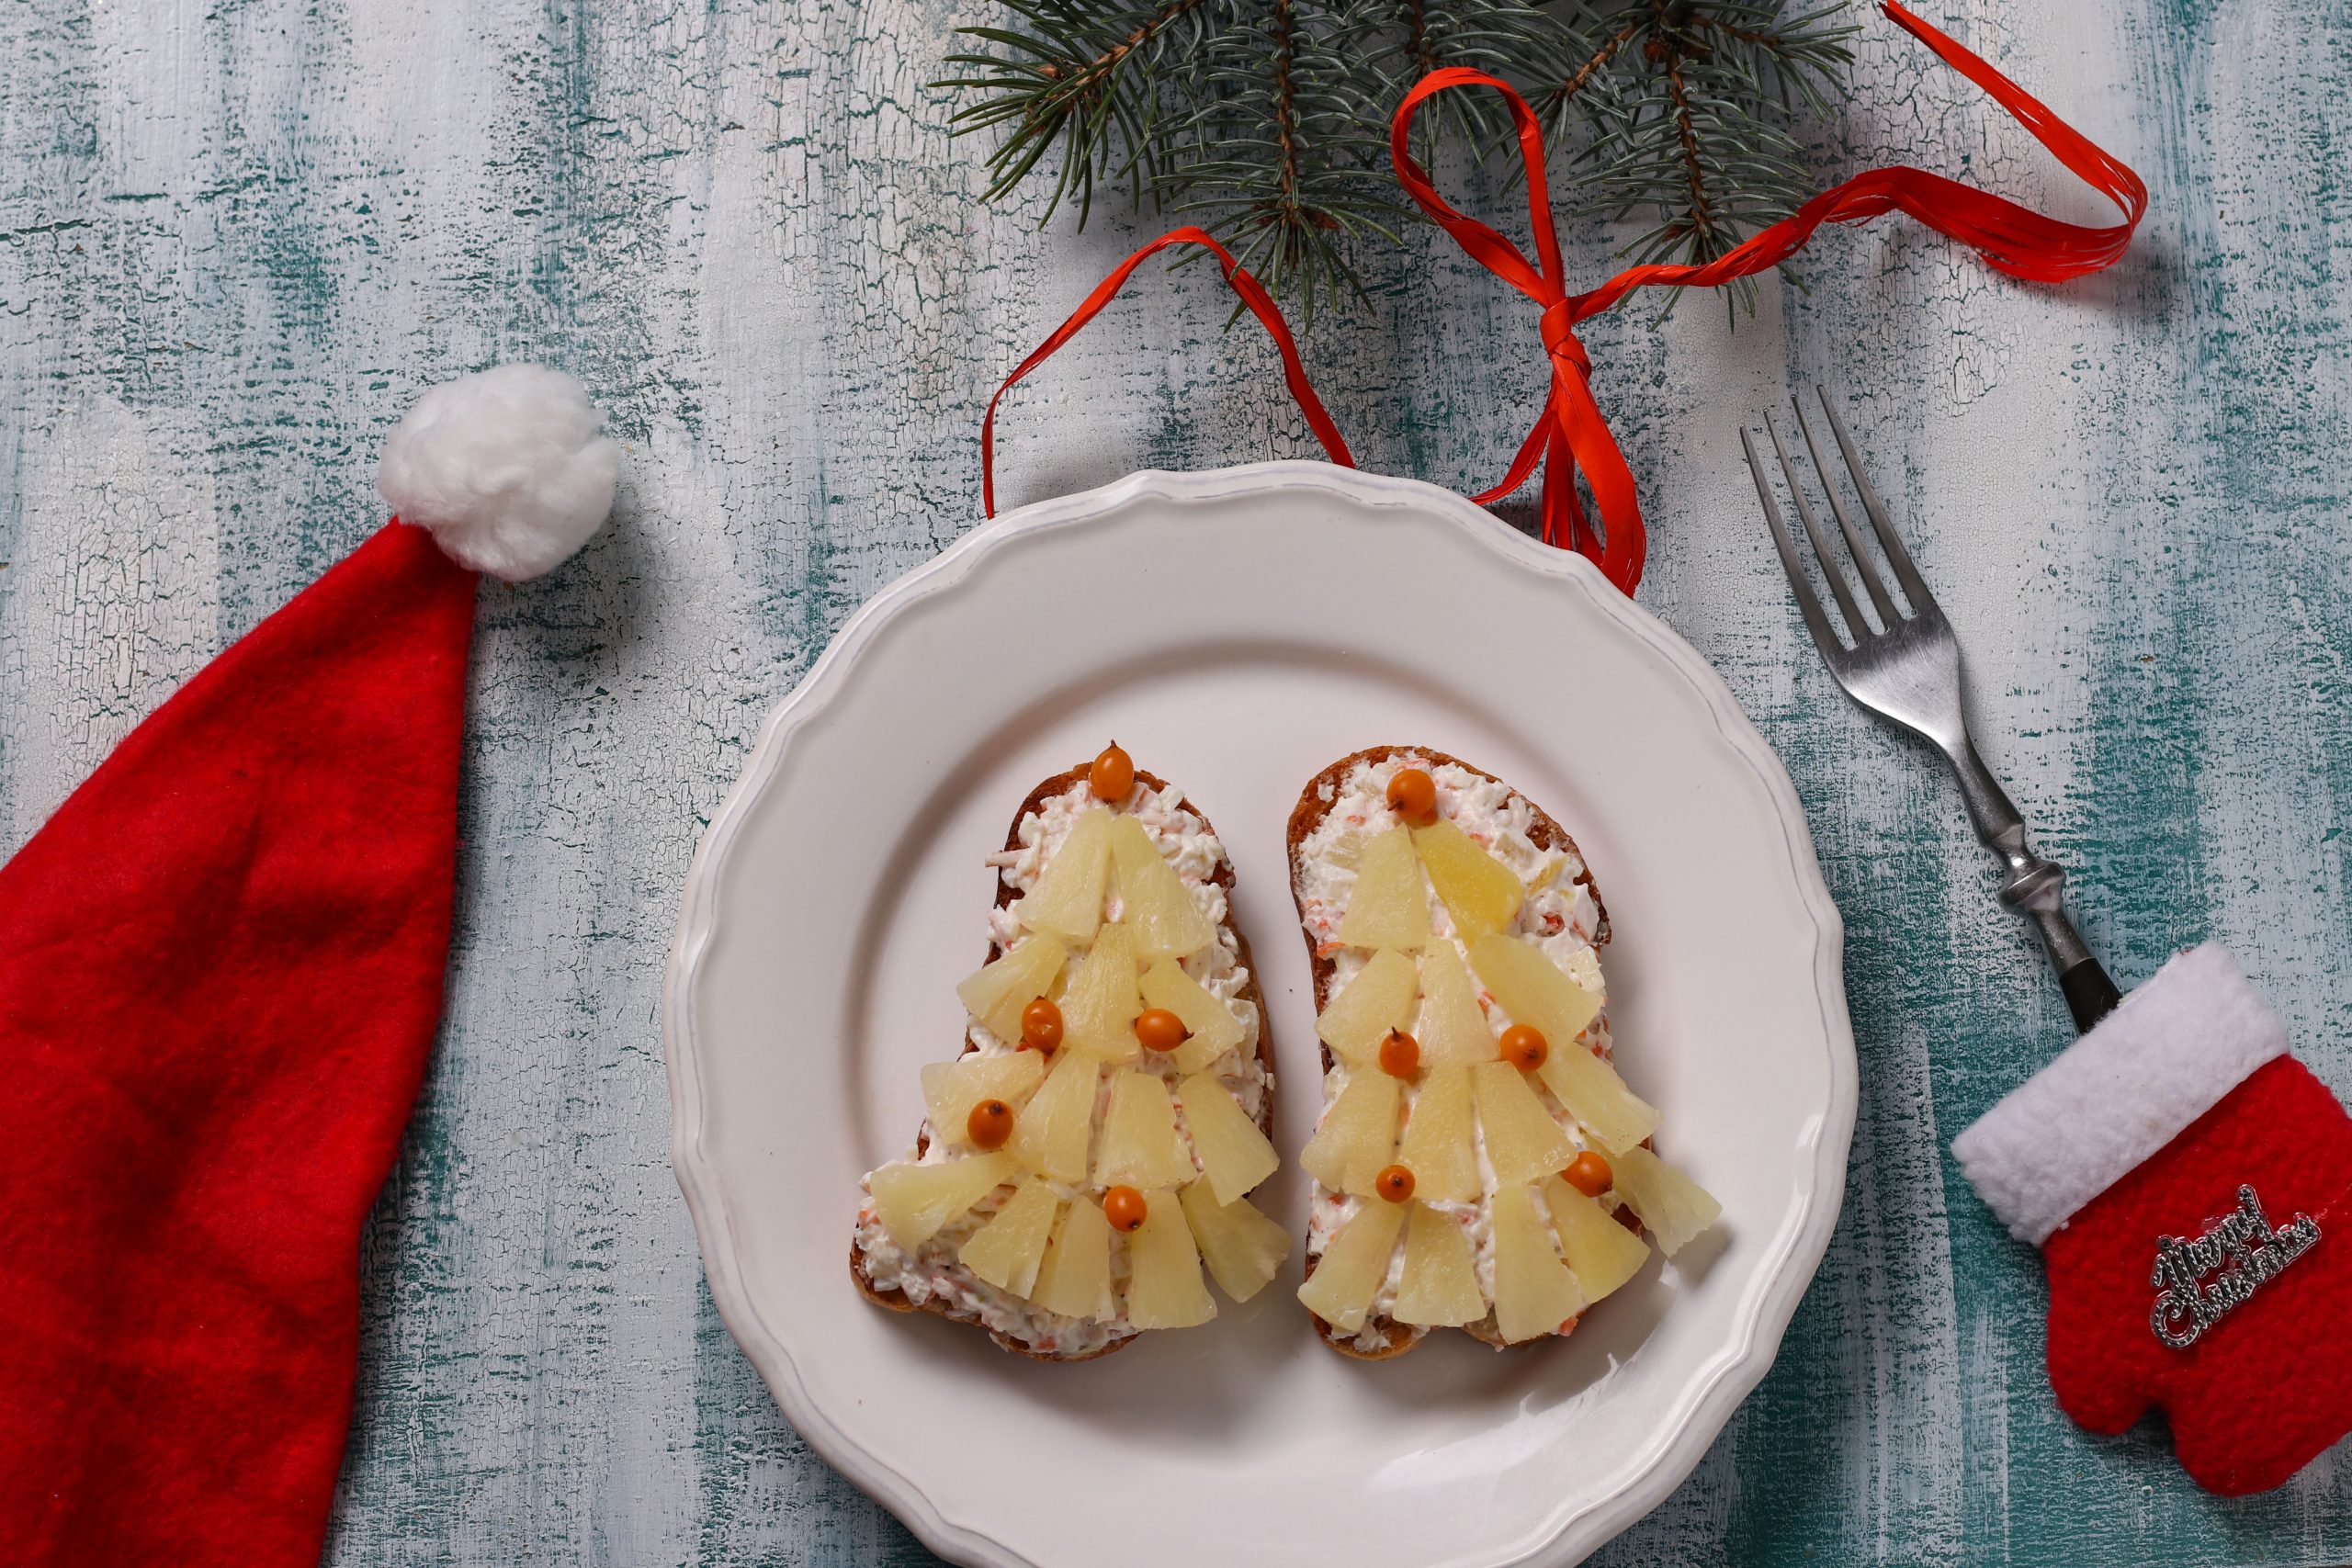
[(237, 237)]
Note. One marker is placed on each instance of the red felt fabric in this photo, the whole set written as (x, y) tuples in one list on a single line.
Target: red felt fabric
[(2268, 1386), (220, 969)]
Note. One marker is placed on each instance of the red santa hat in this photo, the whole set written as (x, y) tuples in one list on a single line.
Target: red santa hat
[(221, 973), (2190, 1185)]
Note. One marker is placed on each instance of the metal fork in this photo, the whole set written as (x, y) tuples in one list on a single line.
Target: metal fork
[(1907, 669)]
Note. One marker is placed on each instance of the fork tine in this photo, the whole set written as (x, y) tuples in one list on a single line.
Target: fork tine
[(1892, 542), (1854, 546), (1856, 626), (1808, 603)]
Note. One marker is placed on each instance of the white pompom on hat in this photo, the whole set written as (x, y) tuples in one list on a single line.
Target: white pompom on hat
[(508, 468)]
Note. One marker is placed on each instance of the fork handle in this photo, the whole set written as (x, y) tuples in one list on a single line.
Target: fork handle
[(2035, 885)]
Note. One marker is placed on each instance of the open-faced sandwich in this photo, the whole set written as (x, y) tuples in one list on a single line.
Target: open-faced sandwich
[(1480, 1163), (1111, 1105)]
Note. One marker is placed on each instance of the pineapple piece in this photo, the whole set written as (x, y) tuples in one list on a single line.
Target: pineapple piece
[(1351, 1270), (1439, 1286), (1584, 968), (1453, 1027), (1378, 1000), (1616, 1118), (1346, 849), (1050, 1134), (1481, 893), (1357, 1135), (1533, 989), (1234, 1154), (950, 1089), (913, 1202), (1100, 1006), (1438, 1147), (1164, 1285), (1067, 902), (1388, 908), (1671, 1206), (1535, 1291), (1006, 1251), (1153, 900), (1243, 1248), (1602, 1254), (1523, 1142), (1214, 1029), (1075, 1278), (996, 993), (1139, 1147)]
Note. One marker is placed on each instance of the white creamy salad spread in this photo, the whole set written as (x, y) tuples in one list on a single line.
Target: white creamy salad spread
[(1559, 912), (933, 1269)]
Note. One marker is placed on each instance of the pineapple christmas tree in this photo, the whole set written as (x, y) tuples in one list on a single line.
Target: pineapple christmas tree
[(1086, 1158), (1473, 1119)]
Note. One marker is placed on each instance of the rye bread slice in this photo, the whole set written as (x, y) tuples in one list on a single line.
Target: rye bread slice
[(896, 1300), (1305, 817)]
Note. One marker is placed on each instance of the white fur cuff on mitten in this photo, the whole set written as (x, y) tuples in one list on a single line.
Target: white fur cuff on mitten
[(2111, 1099)]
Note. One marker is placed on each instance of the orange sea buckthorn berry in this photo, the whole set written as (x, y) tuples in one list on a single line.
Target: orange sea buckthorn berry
[(1525, 1047), (1040, 1025), (1589, 1174), (1400, 1054), (1413, 796), (990, 1124), (1160, 1029), (1113, 773), (1123, 1207), (1395, 1183)]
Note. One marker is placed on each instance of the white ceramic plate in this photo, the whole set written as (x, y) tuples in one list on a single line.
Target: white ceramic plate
[(1237, 631)]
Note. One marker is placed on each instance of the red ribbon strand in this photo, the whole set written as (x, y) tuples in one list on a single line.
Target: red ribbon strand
[(1571, 437), (1253, 295)]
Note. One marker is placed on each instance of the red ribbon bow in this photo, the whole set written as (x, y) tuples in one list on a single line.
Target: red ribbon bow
[(1571, 437)]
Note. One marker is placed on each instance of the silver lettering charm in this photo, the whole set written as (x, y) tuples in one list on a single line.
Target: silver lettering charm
[(2239, 1252)]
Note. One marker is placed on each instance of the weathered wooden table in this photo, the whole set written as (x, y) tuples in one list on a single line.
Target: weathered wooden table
[(238, 236)]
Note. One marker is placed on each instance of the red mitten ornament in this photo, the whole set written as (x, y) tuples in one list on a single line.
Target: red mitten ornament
[(2191, 1187)]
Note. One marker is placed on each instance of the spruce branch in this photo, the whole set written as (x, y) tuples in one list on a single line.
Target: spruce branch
[(1278, 155), (1498, 37), (1081, 75), (1695, 131), (1562, 97), (1267, 119)]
